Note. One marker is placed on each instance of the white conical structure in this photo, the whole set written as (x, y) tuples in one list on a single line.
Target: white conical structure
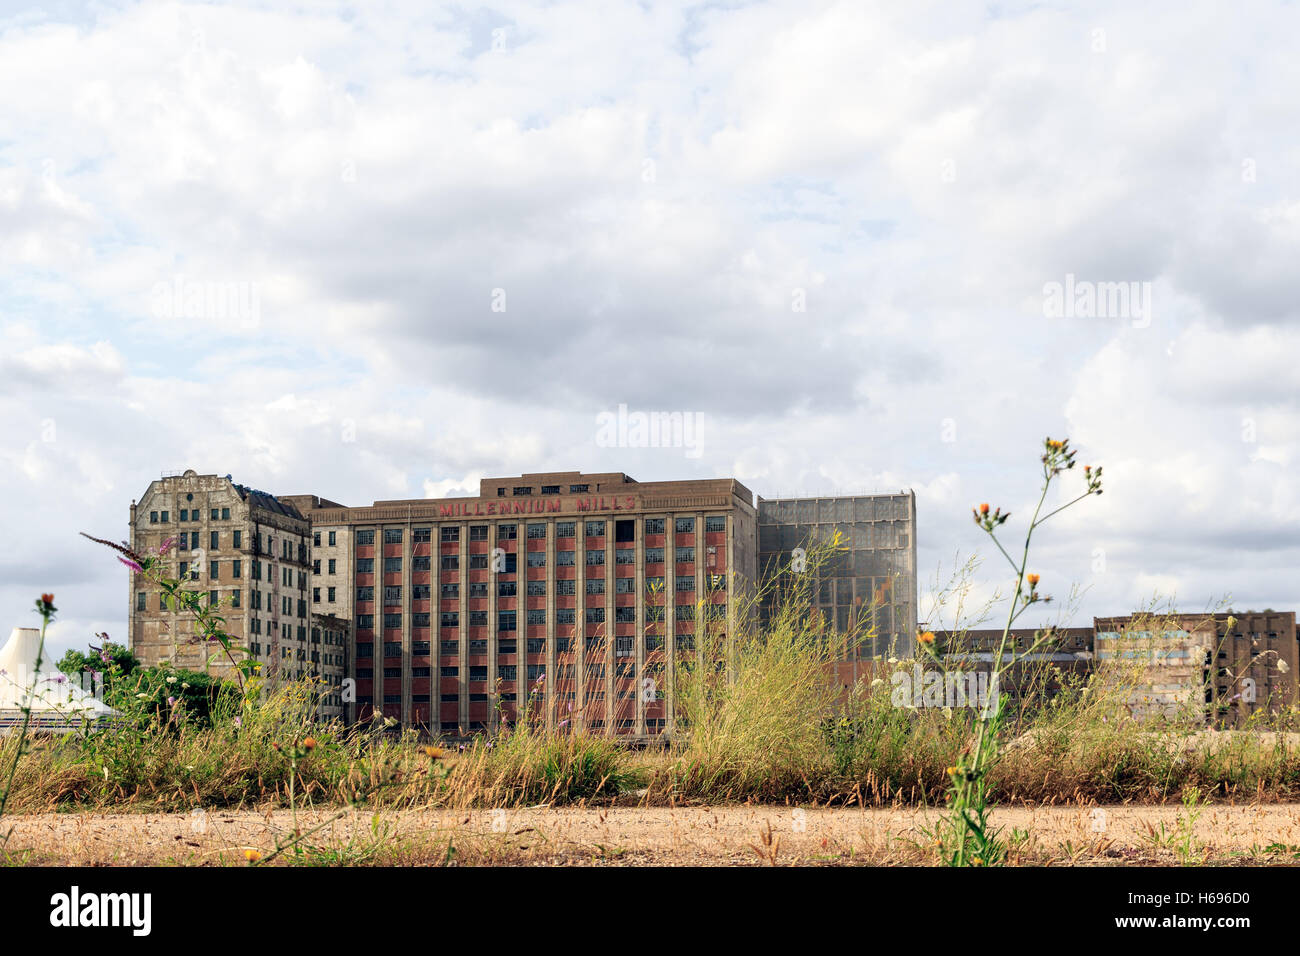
[(51, 693)]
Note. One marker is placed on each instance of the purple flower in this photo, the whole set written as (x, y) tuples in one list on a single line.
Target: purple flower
[(132, 565), (540, 677), (166, 545), (61, 679), (239, 721), (563, 723), (171, 701)]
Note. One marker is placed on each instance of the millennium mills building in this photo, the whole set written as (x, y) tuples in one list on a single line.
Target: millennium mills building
[(566, 597)]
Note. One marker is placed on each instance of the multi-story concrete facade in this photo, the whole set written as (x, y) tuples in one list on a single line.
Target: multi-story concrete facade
[(871, 583), (565, 596), (249, 550)]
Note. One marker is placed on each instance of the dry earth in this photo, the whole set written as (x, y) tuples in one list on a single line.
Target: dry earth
[(730, 835)]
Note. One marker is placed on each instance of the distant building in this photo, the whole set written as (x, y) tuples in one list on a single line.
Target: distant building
[(247, 549), (870, 583)]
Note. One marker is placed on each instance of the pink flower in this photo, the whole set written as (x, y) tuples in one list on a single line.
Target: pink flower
[(132, 565)]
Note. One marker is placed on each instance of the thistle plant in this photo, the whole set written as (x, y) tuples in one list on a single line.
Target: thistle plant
[(46, 609), (965, 837)]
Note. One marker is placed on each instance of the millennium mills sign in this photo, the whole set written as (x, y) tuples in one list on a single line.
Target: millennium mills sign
[(475, 507)]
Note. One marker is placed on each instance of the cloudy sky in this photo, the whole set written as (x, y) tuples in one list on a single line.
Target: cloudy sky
[(381, 250)]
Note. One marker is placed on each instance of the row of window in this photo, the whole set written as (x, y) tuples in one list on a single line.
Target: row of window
[(563, 529), (189, 514), (508, 620)]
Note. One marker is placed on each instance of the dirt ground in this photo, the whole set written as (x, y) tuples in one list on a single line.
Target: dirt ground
[(727, 836)]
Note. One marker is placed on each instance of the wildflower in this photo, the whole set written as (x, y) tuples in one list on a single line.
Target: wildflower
[(132, 565), (142, 696), (926, 638), (171, 701), (1283, 666), (984, 508), (1033, 580), (166, 545), (952, 771), (433, 753), (45, 606), (171, 680), (185, 686), (239, 721), (309, 743), (877, 682), (563, 723), (252, 856)]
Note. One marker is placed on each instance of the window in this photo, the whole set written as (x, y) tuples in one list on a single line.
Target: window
[(315, 538), (234, 598), (450, 590), (565, 559), (420, 592), (450, 562), (392, 536), (564, 615), (449, 534), (579, 489), (239, 539), (329, 592), (654, 555), (625, 615), (507, 532), (225, 514), (365, 622), (185, 515), (214, 569), (140, 598), (520, 490), (536, 645), (315, 595), (478, 618), (624, 586), (594, 529), (449, 619), (685, 584), (537, 559), (393, 621), (392, 649), (420, 562), (566, 587), (366, 593), (478, 674), (685, 555), (507, 589), (550, 489), (212, 540), (153, 517), (507, 671), (449, 648), (393, 594), (624, 556), (505, 620), (452, 671), (365, 565), (332, 565), (478, 562), (418, 535), (596, 556), (365, 537), (478, 532), (595, 615), (165, 517), (334, 540), (536, 530), (654, 525), (537, 616), (715, 523), (685, 612), (536, 588), (536, 672), (596, 586), (315, 566), (392, 565), (563, 529)]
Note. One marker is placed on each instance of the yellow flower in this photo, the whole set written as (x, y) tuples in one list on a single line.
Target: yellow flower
[(433, 753), (926, 638), (952, 771), (252, 856), (1033, 580), (309, 743)]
